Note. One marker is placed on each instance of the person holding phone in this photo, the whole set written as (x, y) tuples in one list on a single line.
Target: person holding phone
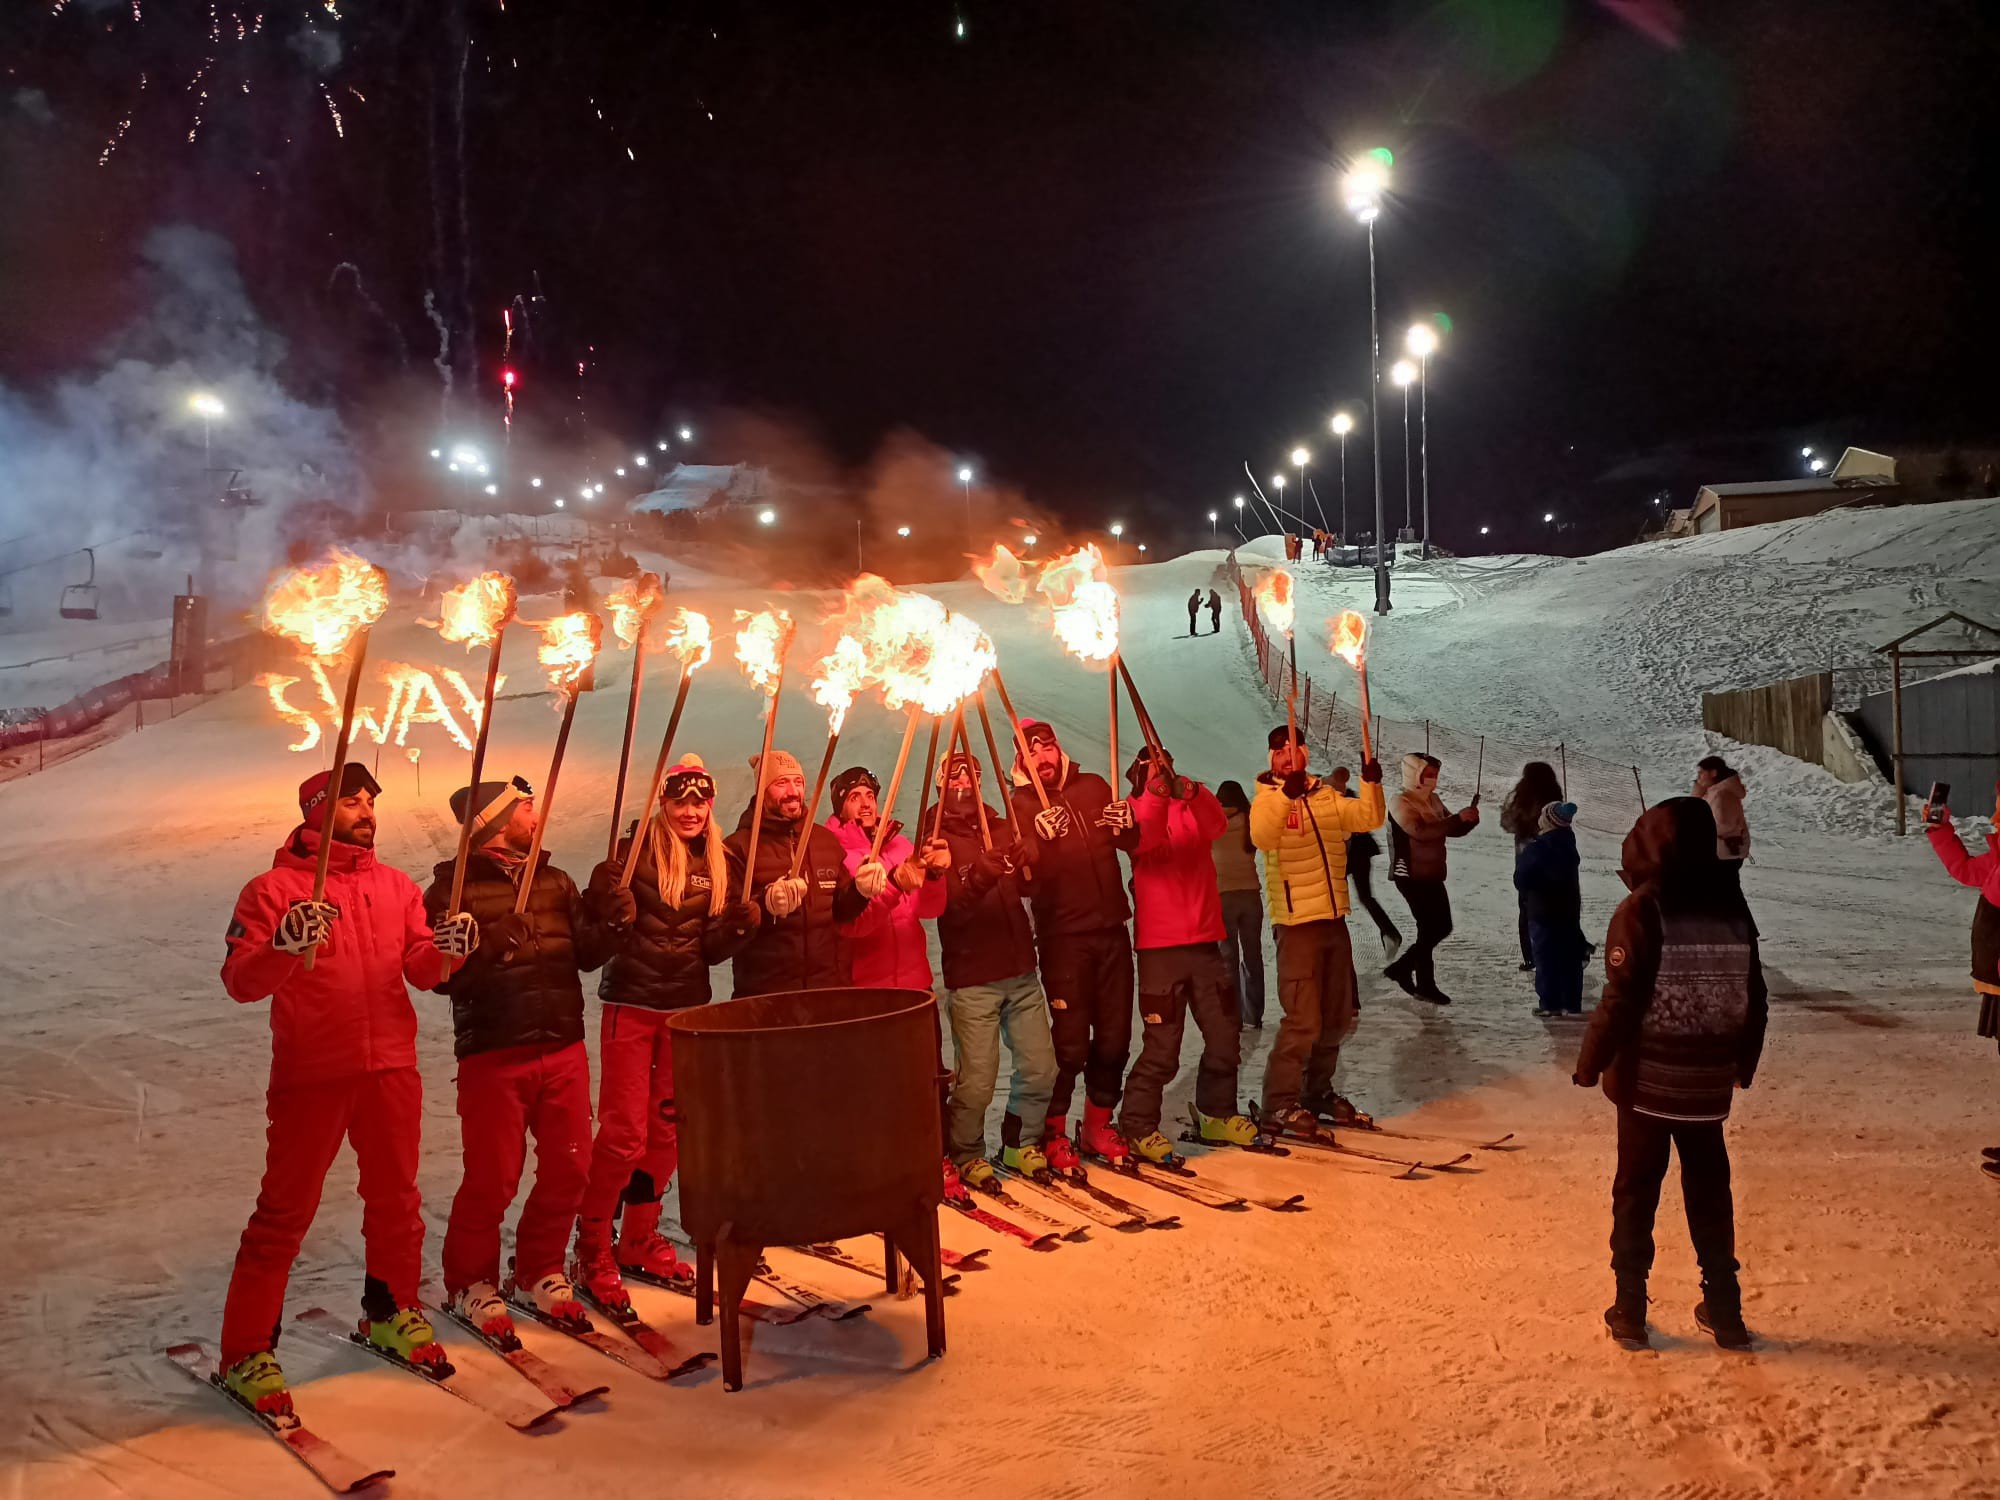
[(1982, 872)]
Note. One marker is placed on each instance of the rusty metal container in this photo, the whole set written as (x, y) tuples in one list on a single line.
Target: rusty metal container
[(805, 1117)]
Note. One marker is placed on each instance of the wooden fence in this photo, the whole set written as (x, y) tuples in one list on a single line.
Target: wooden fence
[(1788, 716)]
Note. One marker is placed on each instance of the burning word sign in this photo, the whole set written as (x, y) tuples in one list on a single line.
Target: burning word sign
[(414, 698)]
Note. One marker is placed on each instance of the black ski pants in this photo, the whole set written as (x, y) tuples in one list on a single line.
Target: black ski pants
[(1364, 892), (1088, 976), (1173, 981), (1430, 907), (1243, 943), (1317, 993), (1643, 1145)]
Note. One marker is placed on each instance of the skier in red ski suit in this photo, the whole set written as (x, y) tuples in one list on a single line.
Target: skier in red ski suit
[(343, 1066)]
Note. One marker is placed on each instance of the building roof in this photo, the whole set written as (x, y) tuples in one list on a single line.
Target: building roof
[(1776, 487)]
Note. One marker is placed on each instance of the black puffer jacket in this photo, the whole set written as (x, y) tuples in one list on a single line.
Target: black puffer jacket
[(806, 951), (534, 998), (984, 932), (665, 957), (1075, 884)]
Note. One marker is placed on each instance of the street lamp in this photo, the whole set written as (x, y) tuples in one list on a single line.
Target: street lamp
[(1403, 373), (1422, 341), (1300, 458), (965, 481), (687, 434), (1211, 523), (1548, 518), (1818, 465), (208, 406), (639, 459), (1367, 180), (1484, 529), (1343, 424), (1117, 530), (535, 483), (902, 531), (766, 517), (1028, 540)]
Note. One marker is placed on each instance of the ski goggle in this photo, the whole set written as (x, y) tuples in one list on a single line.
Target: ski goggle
[(683, 786)]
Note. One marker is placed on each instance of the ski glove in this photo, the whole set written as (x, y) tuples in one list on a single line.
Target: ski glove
[(1117, 816), (783, 897), (1051, 823), (1297, 784), (871, 877), (457, 937), (616, 907), (1371, 769), (909, 876), (304, 926), (743, 916), (1583, 1080), (510, 933)]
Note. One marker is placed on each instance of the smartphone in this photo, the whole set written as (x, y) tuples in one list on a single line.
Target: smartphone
[(1938, 800)]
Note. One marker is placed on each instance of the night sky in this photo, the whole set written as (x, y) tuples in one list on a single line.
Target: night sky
[(1097, 244)]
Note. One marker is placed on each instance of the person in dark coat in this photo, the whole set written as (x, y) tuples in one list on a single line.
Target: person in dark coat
[(1546, 876), (1241, 887), (1679, 1029), (1419, 825), (517, 1021), (798, 944), (1077, 891), (685, 921), (1214, 613), (1194, 609), (1521, 815), (1362, 851)]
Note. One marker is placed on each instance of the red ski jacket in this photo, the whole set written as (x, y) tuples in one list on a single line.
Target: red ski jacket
[(1174, 895), (351, 1012)]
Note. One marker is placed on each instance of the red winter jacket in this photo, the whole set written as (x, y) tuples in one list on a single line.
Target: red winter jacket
[(350, 1013), (1174, 897), (887, 939)]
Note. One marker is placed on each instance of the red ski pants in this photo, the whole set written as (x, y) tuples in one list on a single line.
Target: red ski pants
[(381, 1114), (637, 1129), (502, 1096)]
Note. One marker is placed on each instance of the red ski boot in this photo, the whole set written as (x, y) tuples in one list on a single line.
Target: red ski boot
[(644, 1251), (1099, 1138), (595, 1268), (1061, 1152)]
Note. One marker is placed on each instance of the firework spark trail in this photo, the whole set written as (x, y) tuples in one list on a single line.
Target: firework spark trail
[(124, 125), (201, 98), (333, 109), (442, 363)]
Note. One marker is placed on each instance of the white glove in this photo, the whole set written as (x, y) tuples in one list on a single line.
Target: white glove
[(1051, 823), (304, 926), (456, 937), (1116, 816), (871, 877), (783, 897)]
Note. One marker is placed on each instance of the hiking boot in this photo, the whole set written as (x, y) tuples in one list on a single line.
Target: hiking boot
[(1627, 1325), (1722, 1323)]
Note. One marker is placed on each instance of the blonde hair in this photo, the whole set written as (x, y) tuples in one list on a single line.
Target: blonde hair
[(670, 862)]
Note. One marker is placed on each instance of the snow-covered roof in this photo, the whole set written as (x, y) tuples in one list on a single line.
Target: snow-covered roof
[(1774, 487)]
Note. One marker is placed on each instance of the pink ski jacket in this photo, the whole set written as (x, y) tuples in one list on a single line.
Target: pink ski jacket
[(887, 940)]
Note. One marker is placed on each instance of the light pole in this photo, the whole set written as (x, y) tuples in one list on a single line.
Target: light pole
[(1342, 425), (1117, 530), (1300, 458), (1366, 182), (1213, 533), (1403, 373), (1422, 341), (965, 481), (1239, 520), (1284, 521), (208, 407)]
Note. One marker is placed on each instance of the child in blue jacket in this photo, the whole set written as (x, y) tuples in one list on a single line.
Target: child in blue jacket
[(1546, 875)]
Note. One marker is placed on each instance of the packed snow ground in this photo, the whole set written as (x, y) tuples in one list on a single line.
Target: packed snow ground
[(1400, 1338)]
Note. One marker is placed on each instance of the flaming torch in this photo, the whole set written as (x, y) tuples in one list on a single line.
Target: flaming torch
[(762, 640), (1279, 612), (1084, 609), (569, 647), (1003, 575), (327, 611), (633, 607), (841, 675), (1350, 643), (476, 613), (689, 638)]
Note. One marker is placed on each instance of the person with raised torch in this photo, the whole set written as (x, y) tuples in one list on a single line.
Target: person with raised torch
[(886, 942), (343, 1067)]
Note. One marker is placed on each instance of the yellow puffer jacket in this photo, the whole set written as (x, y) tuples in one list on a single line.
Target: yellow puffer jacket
[(1305, 846)]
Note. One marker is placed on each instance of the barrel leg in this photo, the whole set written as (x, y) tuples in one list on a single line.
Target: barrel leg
[(737, 1263), (704, 1284), (917, 1238), (892, 1267)]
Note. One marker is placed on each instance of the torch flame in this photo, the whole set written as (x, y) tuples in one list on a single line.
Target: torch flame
[(477, 610), (761, 639), (1004, 575), (842, 672), (569, 645), (1350, 637), (1275, 601), (634, 606), (916, 650), (690, 638), (1083, 604), (321, 608)]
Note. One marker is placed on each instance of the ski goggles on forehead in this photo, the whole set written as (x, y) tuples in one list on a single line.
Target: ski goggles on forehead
[(682, 786)]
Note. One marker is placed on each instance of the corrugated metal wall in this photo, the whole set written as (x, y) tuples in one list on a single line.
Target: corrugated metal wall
[(1951, 732)]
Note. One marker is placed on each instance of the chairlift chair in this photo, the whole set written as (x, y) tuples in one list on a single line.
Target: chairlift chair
[(79, 600)]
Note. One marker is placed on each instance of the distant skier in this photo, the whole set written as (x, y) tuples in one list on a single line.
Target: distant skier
[(1521, 815), (800, 944), (1717, 783), (1300, 823), (343, 1066), (886, 942), (1177, 929), (1982, 872), (1242, 892), (517, 1024), (1546, 875), (1077, 892), (684, 922), (1194, 610), (1680, 1027), (992, 992), (1419, 824), (1362, 852)]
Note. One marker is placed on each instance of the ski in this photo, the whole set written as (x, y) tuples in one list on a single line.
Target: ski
[(332, 1467), (1208, 1197), (472, 1386), (1089, 1208), (762, 1312), (993, 1221), (632, 1358), (528, 1365), (1062, 1228), (627, 1321), (1410, 1165), (1476, 1143), (1081, 1182), (875, 1271), (964, 1260), (831, 1308)]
